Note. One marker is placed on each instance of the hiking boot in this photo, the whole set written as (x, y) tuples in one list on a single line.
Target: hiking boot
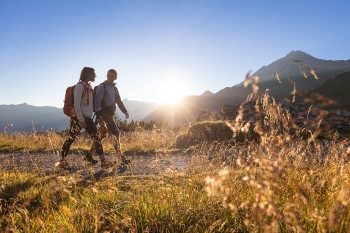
[(88, 157), (125, 161), (63, 163), (106, 164)]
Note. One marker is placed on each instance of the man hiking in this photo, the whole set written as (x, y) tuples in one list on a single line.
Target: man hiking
[(106, 97)]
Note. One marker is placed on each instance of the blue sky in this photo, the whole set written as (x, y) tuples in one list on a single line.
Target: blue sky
[(161, 48)]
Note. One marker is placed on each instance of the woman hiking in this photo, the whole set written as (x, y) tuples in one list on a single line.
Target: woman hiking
[(82, 118)]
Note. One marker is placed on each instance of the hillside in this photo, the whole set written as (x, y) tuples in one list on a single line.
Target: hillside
[(337, 89)]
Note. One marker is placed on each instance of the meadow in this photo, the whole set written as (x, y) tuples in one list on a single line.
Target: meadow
[(284, 179)]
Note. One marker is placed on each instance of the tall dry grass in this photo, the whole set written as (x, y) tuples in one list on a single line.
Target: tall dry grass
[(288, 180), (139, 141)]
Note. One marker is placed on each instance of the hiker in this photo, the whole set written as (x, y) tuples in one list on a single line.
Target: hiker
[(106, 97), (82, 118)]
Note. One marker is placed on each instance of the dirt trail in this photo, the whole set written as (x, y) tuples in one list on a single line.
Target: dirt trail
[(44, 163)]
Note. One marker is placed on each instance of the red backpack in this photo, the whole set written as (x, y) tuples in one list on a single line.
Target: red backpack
[(68, 107)]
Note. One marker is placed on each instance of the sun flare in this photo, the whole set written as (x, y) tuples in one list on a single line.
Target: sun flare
[(170, 92), (171, 87)]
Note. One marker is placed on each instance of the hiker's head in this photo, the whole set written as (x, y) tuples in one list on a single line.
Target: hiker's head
[(87, 74), (112, 75)]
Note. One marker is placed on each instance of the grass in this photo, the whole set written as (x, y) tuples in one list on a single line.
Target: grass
[(281, 187), (153, 204), (280, 182), (137, 142)]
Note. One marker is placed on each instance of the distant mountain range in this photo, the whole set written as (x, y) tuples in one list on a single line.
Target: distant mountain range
[(138, 109), (28, 118), (327, 77)]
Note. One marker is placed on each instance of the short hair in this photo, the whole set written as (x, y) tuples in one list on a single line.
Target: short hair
[(86, 72), (112, 71)]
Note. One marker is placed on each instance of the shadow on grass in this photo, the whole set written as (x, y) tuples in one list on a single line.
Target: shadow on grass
[(101, 174), (12, 190)]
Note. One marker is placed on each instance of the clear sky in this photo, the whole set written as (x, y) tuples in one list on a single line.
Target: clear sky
[(162, 49)]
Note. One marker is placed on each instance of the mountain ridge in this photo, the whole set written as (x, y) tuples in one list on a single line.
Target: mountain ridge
[(293, 62), (29, 118)]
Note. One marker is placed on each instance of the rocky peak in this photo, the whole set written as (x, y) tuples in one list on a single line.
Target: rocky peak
[(207, 93)]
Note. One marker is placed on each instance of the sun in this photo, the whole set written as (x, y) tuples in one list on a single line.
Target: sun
[(170, 91), (172, 86)]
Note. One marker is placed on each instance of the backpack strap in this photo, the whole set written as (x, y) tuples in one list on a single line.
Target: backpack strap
[(87, 89), (105, 92)]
